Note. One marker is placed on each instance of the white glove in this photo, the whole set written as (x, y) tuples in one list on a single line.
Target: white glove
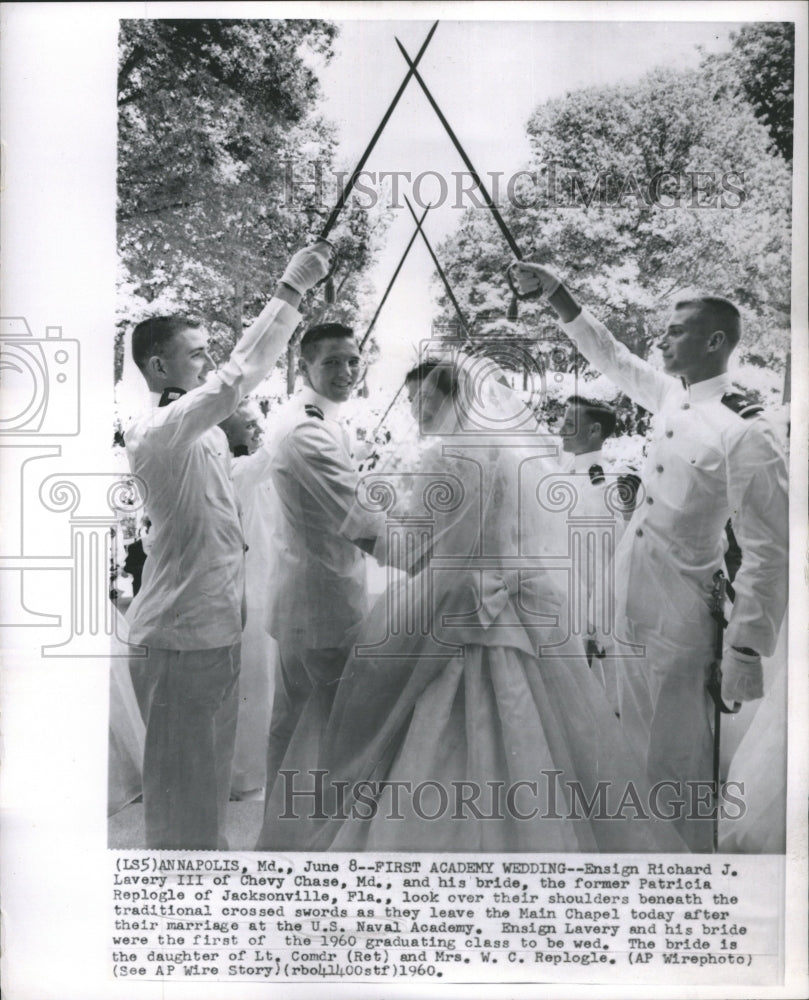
[(534, 277), (308, 266), (742, 676)]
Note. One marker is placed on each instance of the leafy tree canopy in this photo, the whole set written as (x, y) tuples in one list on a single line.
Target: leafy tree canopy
[(637, 194), (225, 168), (761, 66)]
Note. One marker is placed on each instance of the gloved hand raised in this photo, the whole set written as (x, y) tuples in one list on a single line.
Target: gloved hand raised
[(532, 278), (742, 676), (308, 266)]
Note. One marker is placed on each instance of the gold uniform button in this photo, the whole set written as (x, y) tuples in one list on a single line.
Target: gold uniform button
[(659, 468), (669, 434), (639, 532), (649, 500), (686, 406)]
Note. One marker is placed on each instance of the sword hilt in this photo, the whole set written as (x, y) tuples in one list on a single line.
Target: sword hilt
[(516, 295), (515, 288), (714, 684), (718, 593), (327, 281), (714, 687)]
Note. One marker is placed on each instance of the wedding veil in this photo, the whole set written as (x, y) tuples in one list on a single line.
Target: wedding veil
[(454, 503)]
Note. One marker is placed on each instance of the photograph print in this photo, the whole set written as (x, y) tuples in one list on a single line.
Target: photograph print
[(452, 382)]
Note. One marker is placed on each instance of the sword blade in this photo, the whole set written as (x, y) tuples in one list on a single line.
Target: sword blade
[(440, 270), (335, 212), (390, 407), (395, 276), (462, 152)]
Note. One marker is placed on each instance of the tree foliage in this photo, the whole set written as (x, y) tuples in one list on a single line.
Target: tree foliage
[(761, 66), (637, 194), (225, 168)]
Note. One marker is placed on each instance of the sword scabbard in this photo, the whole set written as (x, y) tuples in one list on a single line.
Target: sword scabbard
[(714, 684)]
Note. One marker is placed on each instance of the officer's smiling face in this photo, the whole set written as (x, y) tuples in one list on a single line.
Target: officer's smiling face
[(334, 368), (684, 345), (243, 428), (185, 362)]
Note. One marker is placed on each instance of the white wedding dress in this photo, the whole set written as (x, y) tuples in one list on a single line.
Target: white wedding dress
[(451, 687)]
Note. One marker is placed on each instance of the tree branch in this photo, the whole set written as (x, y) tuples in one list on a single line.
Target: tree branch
[(129, 216), (132, 61), (133, 96)]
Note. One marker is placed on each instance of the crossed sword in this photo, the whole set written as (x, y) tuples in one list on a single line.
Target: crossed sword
[(413, 72)]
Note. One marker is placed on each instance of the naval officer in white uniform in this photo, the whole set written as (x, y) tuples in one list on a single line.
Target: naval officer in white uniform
[(189, 608), (318, 591), (705, 464)]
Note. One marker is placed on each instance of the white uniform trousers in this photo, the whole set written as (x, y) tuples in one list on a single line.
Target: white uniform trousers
[(305, 685), (189, 702), (667, 715)]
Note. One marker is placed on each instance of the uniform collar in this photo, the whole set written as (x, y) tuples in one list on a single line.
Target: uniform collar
[(582, 463), (710, 388), (154, 399), (328, 407)]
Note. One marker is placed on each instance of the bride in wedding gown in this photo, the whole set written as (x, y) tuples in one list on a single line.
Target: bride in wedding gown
[(458, 725)]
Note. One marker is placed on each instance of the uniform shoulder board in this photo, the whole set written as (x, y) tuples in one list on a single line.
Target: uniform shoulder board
[(313, 411), (169, 395), (741, 405), (596, 474)]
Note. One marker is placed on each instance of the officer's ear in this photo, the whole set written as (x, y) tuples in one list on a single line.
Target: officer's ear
[(717, 340), (303, 368), (155, 367)]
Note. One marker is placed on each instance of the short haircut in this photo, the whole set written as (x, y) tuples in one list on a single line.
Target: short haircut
[(601, 413), (716, 313), (443, 379), (323, 331), (152, 336)]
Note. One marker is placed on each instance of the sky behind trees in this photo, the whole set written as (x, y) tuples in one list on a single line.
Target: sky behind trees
[(492, 79), (488, 77)]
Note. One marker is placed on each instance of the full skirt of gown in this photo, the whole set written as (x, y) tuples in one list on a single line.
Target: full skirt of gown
[(498, 743)]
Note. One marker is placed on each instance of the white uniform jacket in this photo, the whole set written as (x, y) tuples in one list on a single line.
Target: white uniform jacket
[(318, 593), (193, 580), (705, 464)]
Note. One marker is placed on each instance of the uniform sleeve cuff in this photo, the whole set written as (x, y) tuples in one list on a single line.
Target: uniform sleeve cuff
[(278, 309), (580, 324), (763, 643)]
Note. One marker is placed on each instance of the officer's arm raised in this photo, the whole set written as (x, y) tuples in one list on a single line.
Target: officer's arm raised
[(631, 374), (252, 358)]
